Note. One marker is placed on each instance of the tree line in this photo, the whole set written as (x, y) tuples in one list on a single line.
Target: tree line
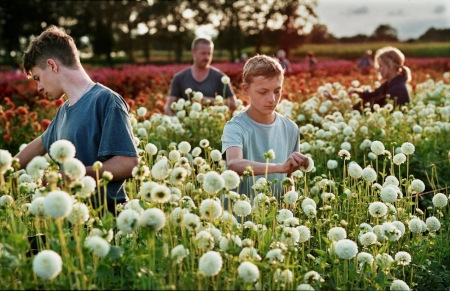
[(104, 27)]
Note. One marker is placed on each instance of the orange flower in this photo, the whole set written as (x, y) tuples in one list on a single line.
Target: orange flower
[(45, 123), (33, 116), (44, 103), (9, 114), (7, 137), (21, 110)]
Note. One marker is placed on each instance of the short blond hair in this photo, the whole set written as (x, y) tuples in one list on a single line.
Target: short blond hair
[(201, 40), (261, 65)]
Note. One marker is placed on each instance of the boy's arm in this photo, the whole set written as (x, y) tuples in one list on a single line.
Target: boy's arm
[(120, 167), (33, 149), (237, 163)]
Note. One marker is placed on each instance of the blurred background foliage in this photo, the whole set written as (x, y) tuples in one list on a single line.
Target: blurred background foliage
[(158, 31)]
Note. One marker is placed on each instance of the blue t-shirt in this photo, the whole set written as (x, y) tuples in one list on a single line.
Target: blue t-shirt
[(99, 127), (255, 139), (210, 87)]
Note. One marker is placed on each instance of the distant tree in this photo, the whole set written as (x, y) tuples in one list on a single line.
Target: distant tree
[(434, 34), (320, 34), (384, 32)]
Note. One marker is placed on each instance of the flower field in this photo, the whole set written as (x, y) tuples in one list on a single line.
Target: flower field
[(372, 214)]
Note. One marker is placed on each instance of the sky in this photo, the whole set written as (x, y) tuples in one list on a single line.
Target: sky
[(411, 18)]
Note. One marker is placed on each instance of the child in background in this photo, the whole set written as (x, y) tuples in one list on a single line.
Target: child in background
[(248, 136)]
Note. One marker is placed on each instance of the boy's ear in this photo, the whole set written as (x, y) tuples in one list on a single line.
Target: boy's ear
[(52, 65), (244, 87)]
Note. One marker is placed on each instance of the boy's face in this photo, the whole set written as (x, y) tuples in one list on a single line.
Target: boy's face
[(46, 81), (264, 93)]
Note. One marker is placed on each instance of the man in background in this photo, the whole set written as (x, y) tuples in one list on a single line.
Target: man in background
[(200, 77)]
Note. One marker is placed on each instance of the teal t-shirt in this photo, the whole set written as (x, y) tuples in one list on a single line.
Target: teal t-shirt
[(255, 139), (99, 127)]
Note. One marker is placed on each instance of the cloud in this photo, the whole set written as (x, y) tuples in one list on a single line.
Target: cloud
[(360, 10), (398, 12), (439, 9)]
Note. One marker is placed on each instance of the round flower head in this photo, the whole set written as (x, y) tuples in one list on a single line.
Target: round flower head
[(242, 208), (433, 224), (74, 169), (284, 214), (88, 187), (191, 221), (213, 182), (364, 258), (141, 112), (5, 161), (146, 189), (210, 209), (415, 225), (440, 200), (417, 186), (248, 271), (62, 150), (36, 167), (153, 219), (377, 147), (408, 148), (196, 151), (58, 204), (311, 277), (161, 169), (216, 155), (37, 206), (178, 176), (98, 245), (160, 194), (389, 194), (304, 233), (128, 221), (378, 209), (291, 197), (399, 285), (184, 147), (79, 213), (47, 264), (204, 143), (204, 240), (274, 256), (403, 258), (178, 253), (345, 154), (174, 155), (332, 164), (308, 201), (399, 159), (369, 174), (354, 170), (225, 80), (337, 233), (151, 149), (231, 179), (346, 249), (310, 211), (304, 287), (249, 253), (6, 200), (210, 263)]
